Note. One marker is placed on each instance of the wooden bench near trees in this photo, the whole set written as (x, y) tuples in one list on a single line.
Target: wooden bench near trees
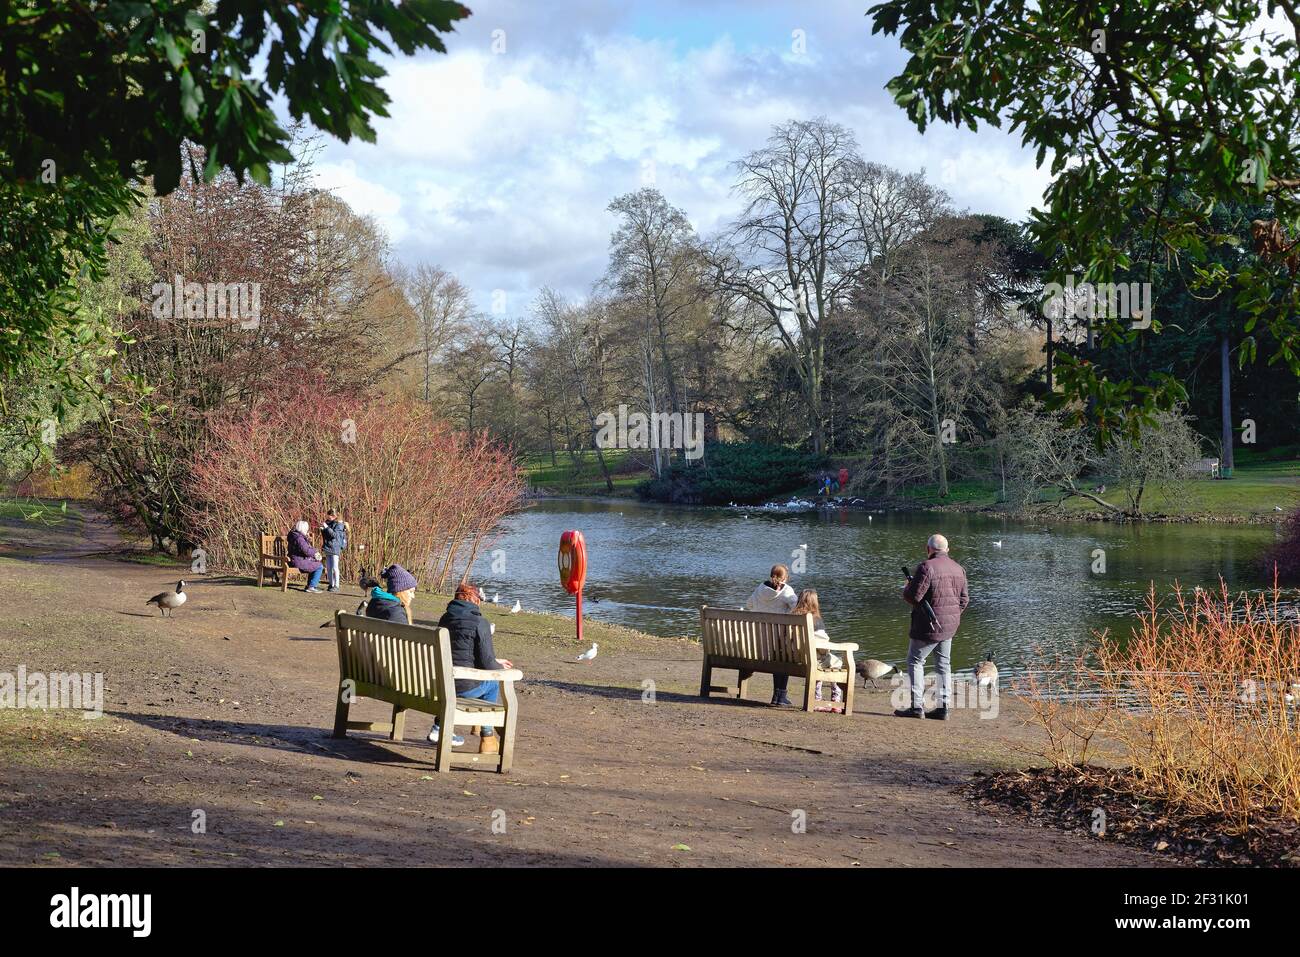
[(273, 559), (751, 641), (409, 667)]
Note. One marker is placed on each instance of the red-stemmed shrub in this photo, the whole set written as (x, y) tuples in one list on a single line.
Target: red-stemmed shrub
[(413, 490)]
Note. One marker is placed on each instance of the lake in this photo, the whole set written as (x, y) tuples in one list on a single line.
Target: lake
[(650, 567)]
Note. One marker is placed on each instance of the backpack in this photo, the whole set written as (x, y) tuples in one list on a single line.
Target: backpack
[(343, 536)]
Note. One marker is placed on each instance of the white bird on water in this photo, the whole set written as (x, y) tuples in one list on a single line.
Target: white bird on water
[(589, 653), (998, 543), (516, 608)]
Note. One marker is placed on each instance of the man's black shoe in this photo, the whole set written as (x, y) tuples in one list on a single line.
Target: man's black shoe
[(938, 714), (909, 713)]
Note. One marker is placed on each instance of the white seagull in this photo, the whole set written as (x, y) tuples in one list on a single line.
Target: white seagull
[(589, 653), (998, 543), (516, 608), (496, 598)]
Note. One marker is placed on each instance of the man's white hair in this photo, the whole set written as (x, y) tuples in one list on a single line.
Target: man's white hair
[(938, 543), (302, 527)]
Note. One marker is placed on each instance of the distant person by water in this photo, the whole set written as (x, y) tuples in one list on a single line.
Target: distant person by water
[(775, 596), (938, 596)]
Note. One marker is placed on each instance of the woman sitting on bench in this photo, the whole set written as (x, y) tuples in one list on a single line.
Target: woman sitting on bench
[(303, 555)]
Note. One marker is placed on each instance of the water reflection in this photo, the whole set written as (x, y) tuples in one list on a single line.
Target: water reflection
[(651, 567)]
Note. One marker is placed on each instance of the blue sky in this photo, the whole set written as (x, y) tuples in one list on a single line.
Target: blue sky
[(497, 163)]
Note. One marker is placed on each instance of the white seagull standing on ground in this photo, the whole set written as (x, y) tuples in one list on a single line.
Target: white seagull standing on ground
[(589, 653), (516, 608)]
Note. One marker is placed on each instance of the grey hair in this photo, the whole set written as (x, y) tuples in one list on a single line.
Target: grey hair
[(302, 527), (938, 543)]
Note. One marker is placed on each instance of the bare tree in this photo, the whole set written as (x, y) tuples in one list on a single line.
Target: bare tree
[(816, 217), (578, 332), (442, 307), (652, 264)]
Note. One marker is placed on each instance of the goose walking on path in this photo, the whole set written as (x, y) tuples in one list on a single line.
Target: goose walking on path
[(169, 600), (871, 669), (986, 674)]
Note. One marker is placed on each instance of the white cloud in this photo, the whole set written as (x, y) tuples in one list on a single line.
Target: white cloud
[(500, 167)]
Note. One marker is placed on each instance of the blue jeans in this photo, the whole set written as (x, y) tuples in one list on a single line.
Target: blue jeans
[(314, 578), (917, 652), (489, 691)]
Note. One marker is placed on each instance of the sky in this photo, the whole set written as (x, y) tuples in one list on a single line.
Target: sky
[(500, 158)]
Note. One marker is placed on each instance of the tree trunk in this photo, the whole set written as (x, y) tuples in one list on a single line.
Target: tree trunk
[(1225, 405), (1049, 355)]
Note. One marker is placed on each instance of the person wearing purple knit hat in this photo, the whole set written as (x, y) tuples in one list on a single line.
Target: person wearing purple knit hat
[(401, 584)]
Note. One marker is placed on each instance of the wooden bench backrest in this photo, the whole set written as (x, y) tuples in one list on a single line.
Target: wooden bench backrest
[(274, 549), (408, 665), (756, 635)]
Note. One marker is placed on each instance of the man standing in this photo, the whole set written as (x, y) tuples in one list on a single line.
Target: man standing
[(938, 596)]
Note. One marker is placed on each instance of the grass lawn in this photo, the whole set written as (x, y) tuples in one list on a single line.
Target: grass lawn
[(41, 511), (584, 477), (1260, 484)]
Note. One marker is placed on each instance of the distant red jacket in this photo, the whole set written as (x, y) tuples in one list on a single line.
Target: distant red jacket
[(943, 582)]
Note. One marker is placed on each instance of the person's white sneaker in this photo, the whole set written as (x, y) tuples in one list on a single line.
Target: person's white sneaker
[(456, 739)]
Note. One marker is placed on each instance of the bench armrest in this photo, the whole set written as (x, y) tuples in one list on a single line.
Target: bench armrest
[(838, 646), (481, 674)]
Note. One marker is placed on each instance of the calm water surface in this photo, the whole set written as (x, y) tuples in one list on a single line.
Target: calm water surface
[(651, 567)]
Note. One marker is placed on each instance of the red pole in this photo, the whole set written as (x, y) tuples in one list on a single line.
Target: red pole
[(579, 615)]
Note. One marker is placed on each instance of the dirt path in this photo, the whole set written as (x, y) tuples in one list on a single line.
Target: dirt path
[(222, 714)]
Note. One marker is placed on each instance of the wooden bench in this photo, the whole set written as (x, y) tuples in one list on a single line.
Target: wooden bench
[(751, 641), (1208, 466), (409, 666), (273, 559)]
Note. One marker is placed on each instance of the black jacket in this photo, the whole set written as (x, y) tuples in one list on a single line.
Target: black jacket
[(471, 639), (385, 609)]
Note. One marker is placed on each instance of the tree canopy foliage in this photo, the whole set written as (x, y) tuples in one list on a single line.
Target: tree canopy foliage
[(1130, 102)]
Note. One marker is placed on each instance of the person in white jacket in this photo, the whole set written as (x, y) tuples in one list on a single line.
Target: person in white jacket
[(775, 595)]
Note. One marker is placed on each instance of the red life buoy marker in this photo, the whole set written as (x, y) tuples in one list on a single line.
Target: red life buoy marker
[(573, 568)]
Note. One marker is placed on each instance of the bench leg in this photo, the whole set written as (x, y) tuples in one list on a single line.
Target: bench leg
[(341, 716), (506, 733), (848, 695), (399, 723), (442, 758), (742, 680), (706, 678), (261, 574), (809, 687)]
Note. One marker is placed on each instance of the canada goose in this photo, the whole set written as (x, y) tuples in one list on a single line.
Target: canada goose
[(986, 674), (169, 600), (871, 669)]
